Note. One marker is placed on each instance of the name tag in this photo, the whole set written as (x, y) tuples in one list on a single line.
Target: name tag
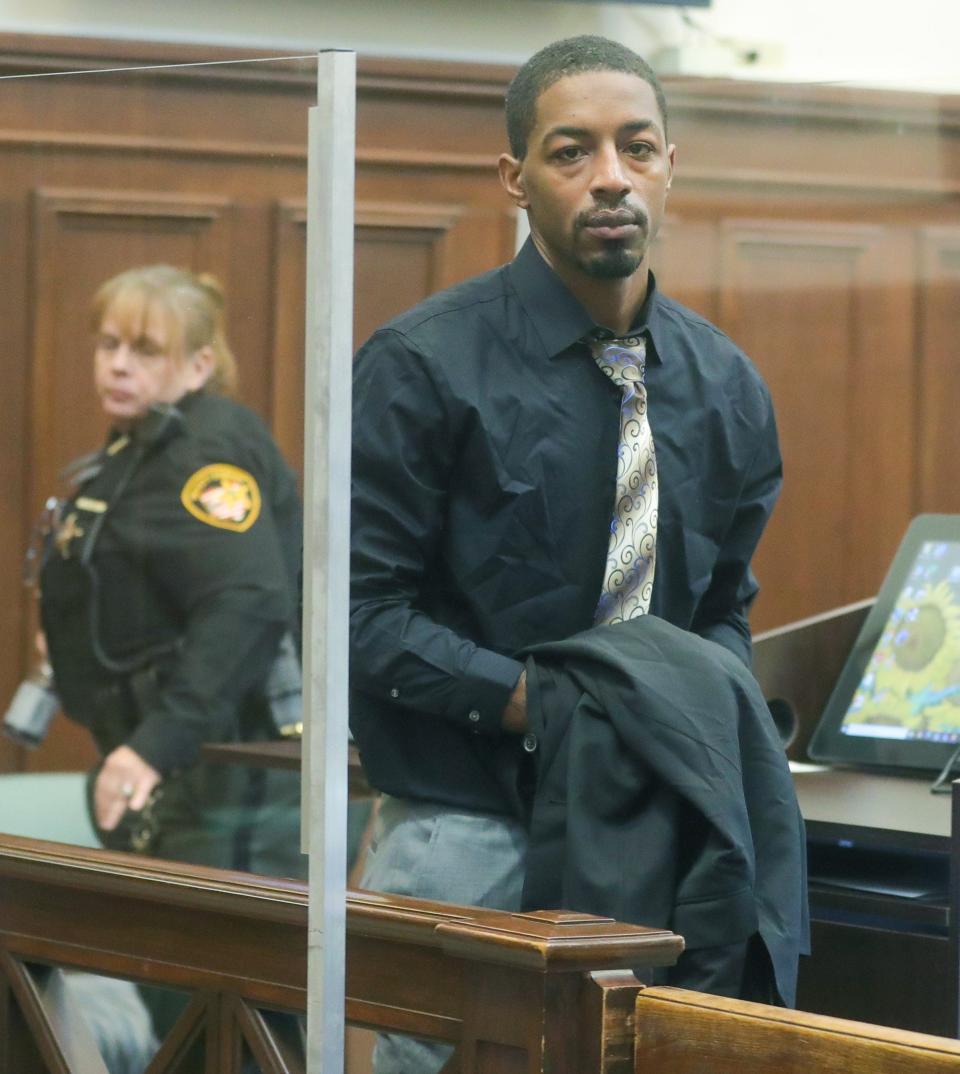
[(86, 503)]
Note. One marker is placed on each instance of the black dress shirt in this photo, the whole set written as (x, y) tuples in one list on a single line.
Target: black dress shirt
[(484, 475)]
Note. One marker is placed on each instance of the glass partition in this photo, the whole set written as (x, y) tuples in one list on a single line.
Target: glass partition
[(152, 309), (201, 168), (815, 224)]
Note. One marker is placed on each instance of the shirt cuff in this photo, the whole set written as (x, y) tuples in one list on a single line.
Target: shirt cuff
[(165, 745), (483, 692)]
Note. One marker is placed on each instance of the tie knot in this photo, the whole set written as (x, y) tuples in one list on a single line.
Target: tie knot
[(623, 360)]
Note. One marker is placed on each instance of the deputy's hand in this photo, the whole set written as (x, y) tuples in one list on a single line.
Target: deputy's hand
[(125, 782), (514, 716)]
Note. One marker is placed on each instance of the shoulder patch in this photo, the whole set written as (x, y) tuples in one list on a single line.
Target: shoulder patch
[(223, 496)]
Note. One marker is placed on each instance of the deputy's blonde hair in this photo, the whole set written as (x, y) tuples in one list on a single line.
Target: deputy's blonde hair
[(191, 307)]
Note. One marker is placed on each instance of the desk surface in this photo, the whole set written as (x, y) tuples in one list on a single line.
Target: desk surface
[(835, 798), (283, 754), (831, 799)]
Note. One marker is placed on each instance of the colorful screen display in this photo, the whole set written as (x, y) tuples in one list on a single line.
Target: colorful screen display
[(911, 686)]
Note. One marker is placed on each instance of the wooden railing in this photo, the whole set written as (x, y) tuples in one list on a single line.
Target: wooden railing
[(515, 993), (512, 992), (236, 944)]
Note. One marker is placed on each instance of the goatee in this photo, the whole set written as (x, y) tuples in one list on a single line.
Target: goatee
[(615, 263)]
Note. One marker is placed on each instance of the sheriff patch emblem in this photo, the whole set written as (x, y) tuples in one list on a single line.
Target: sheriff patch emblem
[(223, 496)]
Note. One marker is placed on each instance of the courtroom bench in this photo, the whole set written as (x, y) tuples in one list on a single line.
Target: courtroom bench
[(680, 1032)]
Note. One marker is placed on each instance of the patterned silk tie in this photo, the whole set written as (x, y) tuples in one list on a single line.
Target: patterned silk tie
[(631, 555)]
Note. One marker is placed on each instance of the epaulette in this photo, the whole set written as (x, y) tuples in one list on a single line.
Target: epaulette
[(83, 469), (162, 423)]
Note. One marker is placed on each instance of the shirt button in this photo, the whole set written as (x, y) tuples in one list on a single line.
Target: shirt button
[(394, 692), (473, 716), (530, 742)]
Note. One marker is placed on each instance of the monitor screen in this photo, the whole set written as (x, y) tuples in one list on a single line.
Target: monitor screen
[(896, 703), (910, 688)]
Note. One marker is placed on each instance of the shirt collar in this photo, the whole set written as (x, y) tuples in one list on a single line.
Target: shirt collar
[(649, 321), (556, 314)]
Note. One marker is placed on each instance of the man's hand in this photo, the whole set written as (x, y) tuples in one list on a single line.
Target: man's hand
[(514, 716), (124, 782)]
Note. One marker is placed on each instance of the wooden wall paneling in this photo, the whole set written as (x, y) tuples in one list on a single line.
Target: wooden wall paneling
[(80, 238), (405, 251), (242, 112), (882, 498), (14, 523), (828, 137), (686, 261), (825, 313), (288, 335), (938, 340), (450, 118), (485, 233), (237, 131), (247, 284), (403, 254)]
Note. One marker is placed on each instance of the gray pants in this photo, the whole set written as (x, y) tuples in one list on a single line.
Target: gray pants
[(429, 851)]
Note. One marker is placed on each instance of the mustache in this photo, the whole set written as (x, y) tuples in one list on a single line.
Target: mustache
[(620, 216)]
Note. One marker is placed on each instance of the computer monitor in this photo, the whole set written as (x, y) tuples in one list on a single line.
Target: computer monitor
[(897, 700)]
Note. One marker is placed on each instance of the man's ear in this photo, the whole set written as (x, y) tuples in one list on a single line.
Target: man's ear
[(511, 179)]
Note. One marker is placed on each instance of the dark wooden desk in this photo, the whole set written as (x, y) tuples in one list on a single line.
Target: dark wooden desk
[(883, 871), (282, 754), (880, 810), (884, 950)]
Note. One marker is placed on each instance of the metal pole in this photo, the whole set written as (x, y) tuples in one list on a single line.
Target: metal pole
[(329, 347)]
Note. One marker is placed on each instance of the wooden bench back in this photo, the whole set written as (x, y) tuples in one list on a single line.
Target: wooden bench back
[(680, 1032)]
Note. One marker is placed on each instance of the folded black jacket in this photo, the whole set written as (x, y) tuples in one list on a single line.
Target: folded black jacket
[(662, 794)]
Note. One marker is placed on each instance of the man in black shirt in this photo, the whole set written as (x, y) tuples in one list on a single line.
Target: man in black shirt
[(486, 449)]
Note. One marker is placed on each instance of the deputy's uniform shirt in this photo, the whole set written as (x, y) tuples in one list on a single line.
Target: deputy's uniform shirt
[(179, 555)]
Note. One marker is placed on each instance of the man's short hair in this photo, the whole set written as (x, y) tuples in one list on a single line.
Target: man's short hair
[(572, 56)]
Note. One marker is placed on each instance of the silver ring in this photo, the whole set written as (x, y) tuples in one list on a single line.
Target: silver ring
[(126, 790)]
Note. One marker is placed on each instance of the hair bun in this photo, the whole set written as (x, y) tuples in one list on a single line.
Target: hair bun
[(212, 286)]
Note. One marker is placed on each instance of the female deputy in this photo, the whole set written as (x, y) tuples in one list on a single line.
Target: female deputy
[(169, 582)]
